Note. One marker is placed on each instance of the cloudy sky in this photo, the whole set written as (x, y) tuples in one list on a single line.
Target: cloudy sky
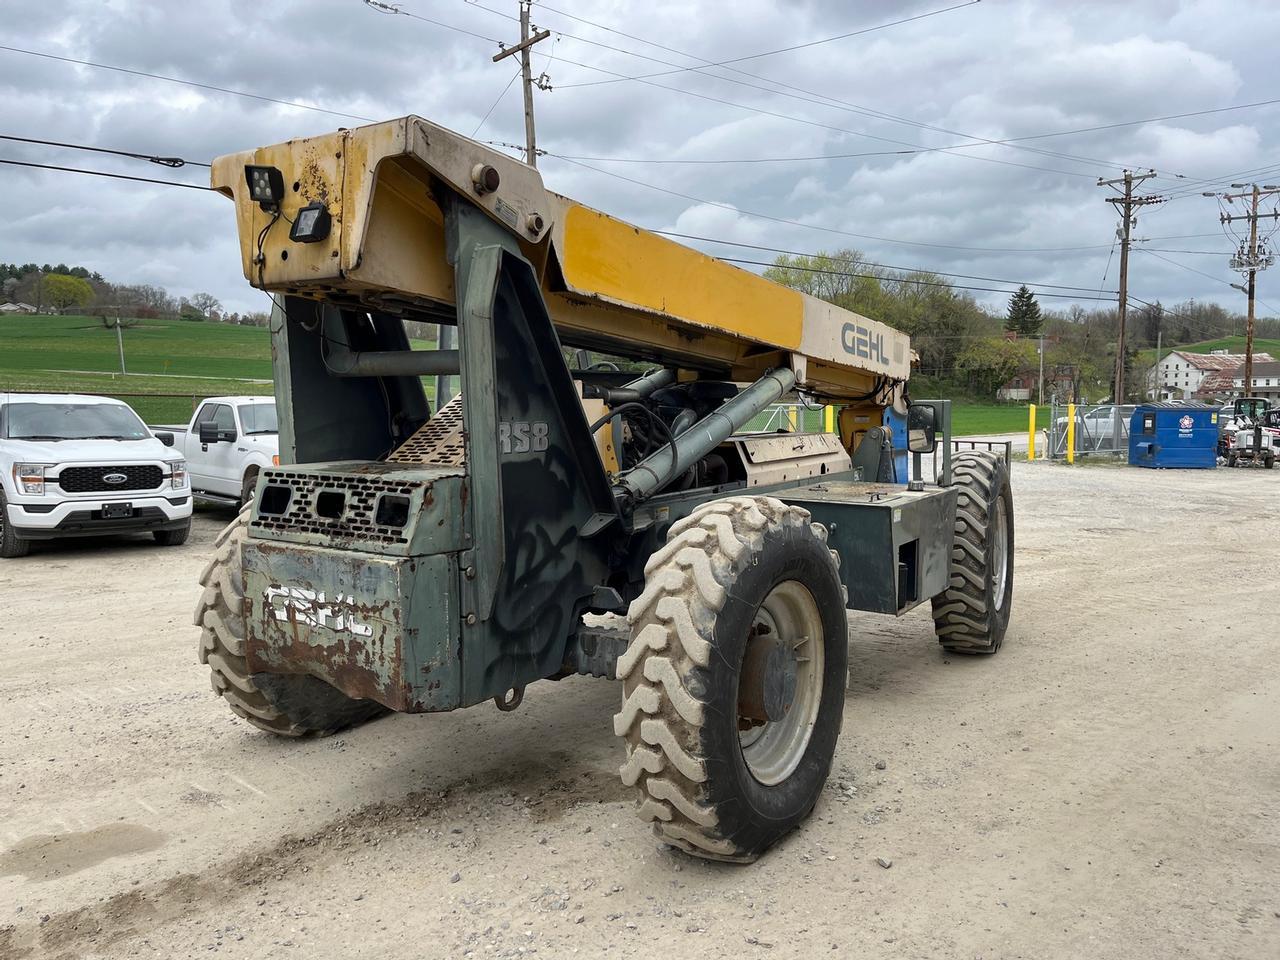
[(630, 83)]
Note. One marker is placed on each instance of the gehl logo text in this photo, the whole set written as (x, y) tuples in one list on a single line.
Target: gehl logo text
[(861, 342)]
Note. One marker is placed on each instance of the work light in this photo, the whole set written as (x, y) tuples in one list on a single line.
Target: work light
[(266, 186), (312, 224)]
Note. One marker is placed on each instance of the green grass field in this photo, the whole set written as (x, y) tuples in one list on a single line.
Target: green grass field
[(967, 419), (184, 359), (170, 347), (195, 360), (970, 419)]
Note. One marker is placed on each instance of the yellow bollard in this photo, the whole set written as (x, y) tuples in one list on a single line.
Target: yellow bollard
[(1071, 433), (791, 418), (1031, 433), (829, 419)]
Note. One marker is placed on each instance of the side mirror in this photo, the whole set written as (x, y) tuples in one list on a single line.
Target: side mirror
[(209, 432), (165, 438), (922, 428)]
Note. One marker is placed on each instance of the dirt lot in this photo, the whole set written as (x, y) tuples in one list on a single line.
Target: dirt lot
[(1106, 787)]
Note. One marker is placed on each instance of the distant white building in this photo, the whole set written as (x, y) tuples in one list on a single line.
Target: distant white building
[(1180, 374), (17, 307), (1266, 379)]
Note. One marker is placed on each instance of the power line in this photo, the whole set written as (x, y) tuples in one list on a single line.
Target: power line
[(103, 173), (834, 101), (162, 161), (923, 283), (782, 116), (885, 266), (1183, 265), (788, 49), (189, 83), (494, 105), (1207, 253), (810, 226), (780, 88)]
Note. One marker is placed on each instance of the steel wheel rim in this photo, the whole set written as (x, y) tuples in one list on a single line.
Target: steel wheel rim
[(773, 751), (999, 550)]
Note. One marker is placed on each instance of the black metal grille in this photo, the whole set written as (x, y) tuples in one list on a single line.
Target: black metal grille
[(357, 518), (91, 479)]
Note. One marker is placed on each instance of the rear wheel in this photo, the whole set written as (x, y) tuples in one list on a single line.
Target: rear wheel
[(734, 679), (1269, 461), (11, 545), (290, 705), (972, 614)]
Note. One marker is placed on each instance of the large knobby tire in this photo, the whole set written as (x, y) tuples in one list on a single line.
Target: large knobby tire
[(972, 614), (12, 546), (289, 705), (710, 788)]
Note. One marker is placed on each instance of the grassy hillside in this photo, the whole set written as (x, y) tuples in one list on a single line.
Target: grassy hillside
[(171, 347), (186, 360), (1230, 344)]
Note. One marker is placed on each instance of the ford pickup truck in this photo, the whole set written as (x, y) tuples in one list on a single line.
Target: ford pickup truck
[(229, 440), (74, 466)]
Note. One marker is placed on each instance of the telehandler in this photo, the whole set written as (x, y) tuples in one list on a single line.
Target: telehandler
[(414, 559)]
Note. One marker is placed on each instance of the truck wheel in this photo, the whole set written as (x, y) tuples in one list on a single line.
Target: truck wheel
[(1232, 459), (249, 486), (972, 614), (173, 538), (1269, 461), (11, 545), (290, 705), (734, 679)]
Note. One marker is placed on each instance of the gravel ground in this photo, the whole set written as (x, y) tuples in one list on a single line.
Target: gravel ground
[(1106, 787)]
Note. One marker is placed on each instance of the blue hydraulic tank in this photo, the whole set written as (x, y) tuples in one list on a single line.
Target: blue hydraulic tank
[(1167, 434)]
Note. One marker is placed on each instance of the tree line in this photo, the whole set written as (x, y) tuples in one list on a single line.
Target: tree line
[(966, 349), (59, 288)]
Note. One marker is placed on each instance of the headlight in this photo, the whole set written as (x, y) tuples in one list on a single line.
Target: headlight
[(178, 469), (29, 477)]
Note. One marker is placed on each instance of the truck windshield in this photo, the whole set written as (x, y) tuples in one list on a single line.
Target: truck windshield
[(73, 421), (259, 418)]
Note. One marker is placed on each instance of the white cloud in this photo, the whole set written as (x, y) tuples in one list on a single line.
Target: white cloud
[(1010, 69)]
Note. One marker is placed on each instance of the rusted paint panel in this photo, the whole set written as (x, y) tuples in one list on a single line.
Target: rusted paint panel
[(431, 527), (374, 627)]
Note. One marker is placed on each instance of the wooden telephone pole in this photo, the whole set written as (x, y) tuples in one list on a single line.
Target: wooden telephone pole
[(526, 76), (1125, 204), (1251, 259)]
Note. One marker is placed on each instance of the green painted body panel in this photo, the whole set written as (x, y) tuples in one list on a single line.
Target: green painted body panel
[(437, 500), (378, 628)]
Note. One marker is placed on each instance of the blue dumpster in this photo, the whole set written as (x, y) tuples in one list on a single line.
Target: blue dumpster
[(1174, 435)]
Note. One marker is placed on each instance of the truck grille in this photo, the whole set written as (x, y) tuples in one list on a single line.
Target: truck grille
[(91, 479), (335, 506)]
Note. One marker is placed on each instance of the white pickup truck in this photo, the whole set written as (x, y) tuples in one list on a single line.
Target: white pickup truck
[(74, 466), (227, 443)]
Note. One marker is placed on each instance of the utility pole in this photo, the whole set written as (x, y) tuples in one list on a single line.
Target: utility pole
[(1040, 401), (120, 343), (1125, 203), (1159, 378), (526, 76), (1251, 259)]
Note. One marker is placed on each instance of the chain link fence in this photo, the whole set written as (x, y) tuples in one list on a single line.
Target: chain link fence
[(1096, 429)]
